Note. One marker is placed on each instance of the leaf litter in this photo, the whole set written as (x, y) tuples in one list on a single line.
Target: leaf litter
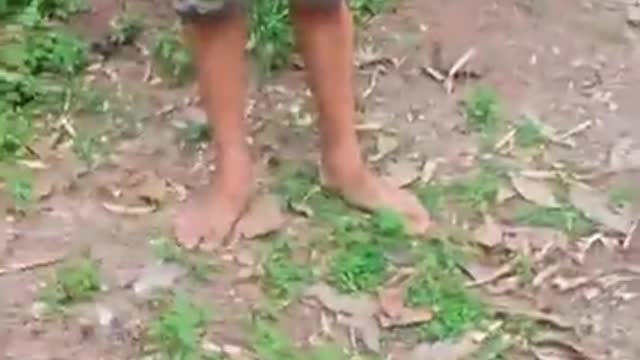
[(394, 312)]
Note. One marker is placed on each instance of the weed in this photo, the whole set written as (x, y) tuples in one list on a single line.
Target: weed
[(172, 57), (15, 132), (359, 267), (283, 277), (566, 218), (478, 192), (271, 38), (528, 134), (74, 282), (482, 110), (439, 286), (125, 29), (21, 191), (197, 132), (524, 268), (269, 343), (55, 52), (167, 250), (363, 10), (87, 148), (176, 332)]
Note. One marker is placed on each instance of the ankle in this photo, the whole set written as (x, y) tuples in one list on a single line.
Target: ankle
[(343, 169)]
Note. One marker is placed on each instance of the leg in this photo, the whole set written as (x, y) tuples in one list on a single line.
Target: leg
[(218, 44), (325, 36)]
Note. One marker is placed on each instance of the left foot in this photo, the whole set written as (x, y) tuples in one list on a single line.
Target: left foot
[(361, 188)]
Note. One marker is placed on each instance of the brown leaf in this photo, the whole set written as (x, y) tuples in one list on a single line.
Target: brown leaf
[(358, 312), (401, 173), (449, 350), (264, 217), (489, 234), (129, 210), (538, 192), (595, 206), (395, 313)]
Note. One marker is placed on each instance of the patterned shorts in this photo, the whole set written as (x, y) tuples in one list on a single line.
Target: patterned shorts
[(191, 9)]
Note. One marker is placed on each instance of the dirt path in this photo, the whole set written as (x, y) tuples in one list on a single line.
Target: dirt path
[(564, 63)]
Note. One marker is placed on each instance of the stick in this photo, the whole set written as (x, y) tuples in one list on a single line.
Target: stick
[(16, 268), (372, 84), (459, 64)]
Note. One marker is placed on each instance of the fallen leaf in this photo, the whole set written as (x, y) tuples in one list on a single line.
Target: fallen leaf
[(401, 173), (130, 210), (395, 313), (263, 217), (429, 170), (624, 155), (489, 234), (595, 206), (448, 350), (538, 192), (513, 307), (157, 277), (357, 312), (385, 144)]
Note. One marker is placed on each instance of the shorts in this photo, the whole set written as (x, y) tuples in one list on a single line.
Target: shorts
[(193, 9)]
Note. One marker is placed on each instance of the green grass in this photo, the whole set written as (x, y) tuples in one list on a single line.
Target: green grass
[(439, 285), (172, 58), (482, 110), (565, 218), (283, 278), (175, 334), (200, 266), (74, 282), (528, 134), (20, 189)]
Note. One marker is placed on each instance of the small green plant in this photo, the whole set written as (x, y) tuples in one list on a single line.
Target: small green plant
[(269, 343), (439, 285), (271, 38), (482, 110), (432, 197), (172, 57), (359, 267), (21, 190), (363, 10), (528, 134), (55, 52), (283, 278), (76, 281), (197, 132), (566, 218), (167, 250), (15, 132), (176, 333), (87, 148), (125, 29), (478, 192)]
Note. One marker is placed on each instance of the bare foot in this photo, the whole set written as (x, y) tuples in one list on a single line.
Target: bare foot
[(209, 217), (363, 189)]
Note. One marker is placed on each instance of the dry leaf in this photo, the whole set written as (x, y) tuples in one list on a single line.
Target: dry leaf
[(489, 234), (132, 210), (401, 173), (385, 144), (429, 170), (449, 350), (595, 206), (538, 192), (395, 313), (512, 307), (624, 155), (264, 217), (358, 312)]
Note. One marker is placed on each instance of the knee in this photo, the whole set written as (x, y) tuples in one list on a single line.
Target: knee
[(197, 10)]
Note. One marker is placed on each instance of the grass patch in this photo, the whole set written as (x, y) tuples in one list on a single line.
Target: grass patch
[(167, 250), (172, 58), (482, 110), (283, 278), (74, 282), (176, 332), (566, 218), (439, 285), (528, 134)]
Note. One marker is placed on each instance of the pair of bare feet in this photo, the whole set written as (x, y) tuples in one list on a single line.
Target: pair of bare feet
[(208, 219)]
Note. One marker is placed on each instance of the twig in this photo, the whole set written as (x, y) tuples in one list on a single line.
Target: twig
[(64, 118), (575, 130), (507, 138), (501, 272), (435, 74), (372, 84), (459, 64), (30, 266)]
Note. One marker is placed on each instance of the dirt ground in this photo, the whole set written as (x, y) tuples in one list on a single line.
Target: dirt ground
[(566, 62)]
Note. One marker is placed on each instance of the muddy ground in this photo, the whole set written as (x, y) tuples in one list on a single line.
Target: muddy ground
[(566, 62)]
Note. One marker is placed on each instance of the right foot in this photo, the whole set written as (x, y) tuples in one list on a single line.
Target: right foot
[(209, 217)]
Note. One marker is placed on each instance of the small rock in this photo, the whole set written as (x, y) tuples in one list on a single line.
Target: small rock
[(633, 15), (38, 309), (157, 277), (106, 317)]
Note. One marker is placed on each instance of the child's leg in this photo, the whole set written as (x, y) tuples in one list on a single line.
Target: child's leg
[(325, 36), (218, 42)]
